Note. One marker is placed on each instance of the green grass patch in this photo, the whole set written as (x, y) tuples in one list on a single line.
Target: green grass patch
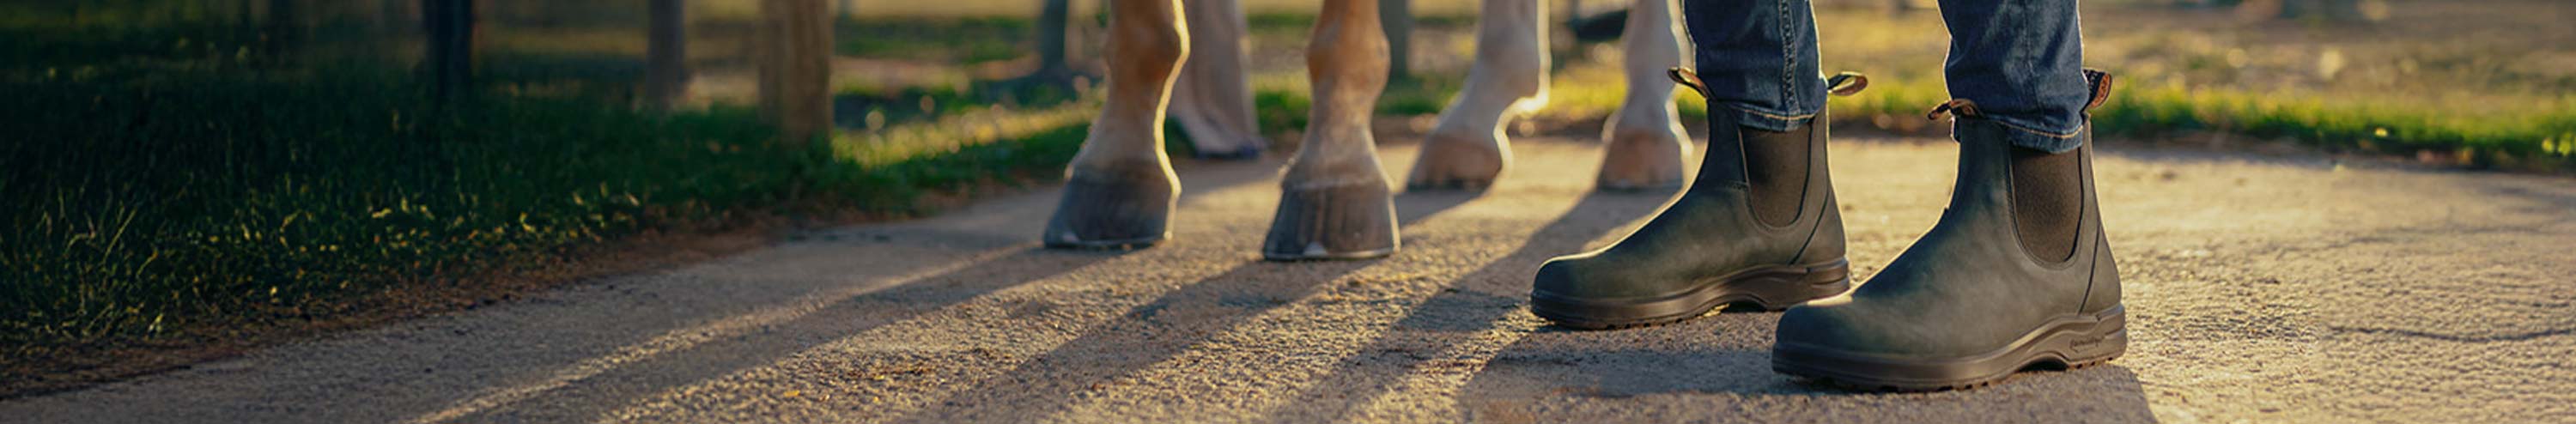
[(154, 200), (889, 168), (144, 202), (2535, 138), (2522, 138), (961, 40)]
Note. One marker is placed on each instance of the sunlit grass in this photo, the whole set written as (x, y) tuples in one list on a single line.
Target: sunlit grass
[(2525, 138), (184, 200), (248, 198)]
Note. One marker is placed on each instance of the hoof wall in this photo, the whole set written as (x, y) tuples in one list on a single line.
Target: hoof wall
[(1353, 221), (1122, 211), (1450, 164)]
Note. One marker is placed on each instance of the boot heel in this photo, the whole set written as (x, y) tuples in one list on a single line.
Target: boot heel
[(1808, 282), (2105, 340)]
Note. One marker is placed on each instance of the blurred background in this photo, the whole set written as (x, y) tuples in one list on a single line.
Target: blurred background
[(182, 169)]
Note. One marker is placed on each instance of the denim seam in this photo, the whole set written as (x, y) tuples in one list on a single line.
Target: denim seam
[(1789, 60), (2021, 136), (1767, 120), (1772, 115)]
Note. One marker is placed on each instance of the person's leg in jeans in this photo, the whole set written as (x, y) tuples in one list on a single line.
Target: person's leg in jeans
[(2021, 62), (1759, 57), (2018, 271), (1758, 225)]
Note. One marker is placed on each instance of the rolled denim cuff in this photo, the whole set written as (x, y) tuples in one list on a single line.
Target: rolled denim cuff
[(1773, 121), (2021, 133)]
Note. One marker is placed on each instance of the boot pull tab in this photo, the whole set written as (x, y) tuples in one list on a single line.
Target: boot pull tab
[(2097, 79), (1686, 78), (1958, 107), (2101, 83), (1847, 83), (1842, 84)]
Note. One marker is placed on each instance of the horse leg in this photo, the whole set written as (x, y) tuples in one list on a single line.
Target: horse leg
[(1468, 148), (1334, 201), (1210, 99), (1119, 191), (1644, 141)]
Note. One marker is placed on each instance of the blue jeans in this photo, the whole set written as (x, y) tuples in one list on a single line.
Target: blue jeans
[(2021, 61)]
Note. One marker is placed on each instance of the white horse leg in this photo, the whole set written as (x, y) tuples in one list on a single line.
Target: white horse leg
[(1210, 99), (1468, 148), (1645, 143)]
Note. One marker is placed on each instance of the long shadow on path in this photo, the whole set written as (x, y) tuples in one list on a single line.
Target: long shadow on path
[(588, 397), (1456, 315), (1719, 369), (1716, 368), (1156, 332)]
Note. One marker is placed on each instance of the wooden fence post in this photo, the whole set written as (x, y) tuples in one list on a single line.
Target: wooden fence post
[(666, 72), (796, 67)]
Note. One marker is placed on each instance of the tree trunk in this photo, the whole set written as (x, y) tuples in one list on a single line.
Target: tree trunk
[(450, 61), (796, 67), (666, 74), (1397, 16), (1053, 17)]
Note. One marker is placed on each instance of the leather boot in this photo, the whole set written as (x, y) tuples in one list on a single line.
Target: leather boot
[(2016, 274), (1757, 226)]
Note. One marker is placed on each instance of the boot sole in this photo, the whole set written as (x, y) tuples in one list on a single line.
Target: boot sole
[(1768, 288), (2069, 342)]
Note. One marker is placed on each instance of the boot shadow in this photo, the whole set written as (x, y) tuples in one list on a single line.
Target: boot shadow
[(1718, 368)]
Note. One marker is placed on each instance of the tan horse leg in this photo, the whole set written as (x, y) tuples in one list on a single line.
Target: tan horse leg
[(1334, 201), (1120, 190)]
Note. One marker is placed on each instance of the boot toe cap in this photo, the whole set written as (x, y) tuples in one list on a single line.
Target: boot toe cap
[(1557, 278), (1586, 276), (1841, 327)]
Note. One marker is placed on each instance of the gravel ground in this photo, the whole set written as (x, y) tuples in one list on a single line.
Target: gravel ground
[(2267, 288)]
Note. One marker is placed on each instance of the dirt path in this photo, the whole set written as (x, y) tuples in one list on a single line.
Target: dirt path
[(2276, 289)]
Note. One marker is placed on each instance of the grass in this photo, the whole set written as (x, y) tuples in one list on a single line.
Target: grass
[(141, 203), (160, 198), (2535, 139), (2531, 139), (936, 40)]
